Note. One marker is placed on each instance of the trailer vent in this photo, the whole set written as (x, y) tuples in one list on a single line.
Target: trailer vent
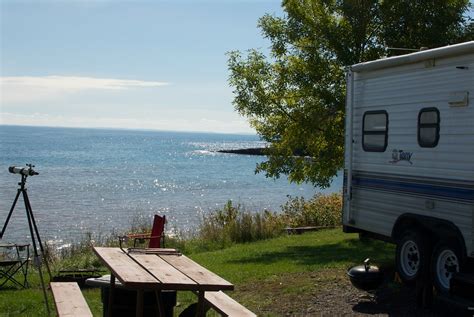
[(458, 99)]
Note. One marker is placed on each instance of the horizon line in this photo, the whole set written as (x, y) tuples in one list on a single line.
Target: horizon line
[(127, 129)]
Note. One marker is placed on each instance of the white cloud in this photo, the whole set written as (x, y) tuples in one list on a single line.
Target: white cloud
[(28, 88), (68, 101), (174, 124)]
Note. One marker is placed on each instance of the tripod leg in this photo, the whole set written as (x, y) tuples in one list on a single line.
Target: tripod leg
[(10, 213), (30, 211), (37, 260)]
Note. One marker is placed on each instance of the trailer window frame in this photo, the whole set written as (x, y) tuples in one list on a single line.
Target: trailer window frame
[(369, 148), (424, 143)]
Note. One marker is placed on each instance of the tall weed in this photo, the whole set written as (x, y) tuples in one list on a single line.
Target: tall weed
[(232, 224), (321, 210)]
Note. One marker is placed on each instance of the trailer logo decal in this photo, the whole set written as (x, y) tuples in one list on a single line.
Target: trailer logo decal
[(400, 155)]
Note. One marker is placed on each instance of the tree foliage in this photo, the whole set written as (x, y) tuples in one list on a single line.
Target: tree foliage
[(294, 97)]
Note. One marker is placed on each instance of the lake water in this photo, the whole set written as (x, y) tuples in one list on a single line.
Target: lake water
[(97, 181)]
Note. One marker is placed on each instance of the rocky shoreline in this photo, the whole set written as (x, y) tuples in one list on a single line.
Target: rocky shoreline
[(249, 151)]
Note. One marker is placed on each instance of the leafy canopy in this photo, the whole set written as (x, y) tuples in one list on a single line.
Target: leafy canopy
[(294, 97)]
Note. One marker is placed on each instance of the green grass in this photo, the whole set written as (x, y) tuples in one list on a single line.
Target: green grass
[(272, 275), (291, 254), (255, 268)]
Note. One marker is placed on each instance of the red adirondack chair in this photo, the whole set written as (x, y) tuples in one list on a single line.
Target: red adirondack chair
[(156, 237)]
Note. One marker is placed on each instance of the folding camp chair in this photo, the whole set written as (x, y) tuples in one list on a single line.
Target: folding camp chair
[(156, 237), (13, 263)]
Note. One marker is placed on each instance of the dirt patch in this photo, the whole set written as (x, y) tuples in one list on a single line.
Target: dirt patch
[(328, 293)]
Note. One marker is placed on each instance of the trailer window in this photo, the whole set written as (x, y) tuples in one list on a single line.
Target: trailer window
[(428, 127), (375, 131)]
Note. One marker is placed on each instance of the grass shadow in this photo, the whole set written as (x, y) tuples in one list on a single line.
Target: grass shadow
[(349, 251)]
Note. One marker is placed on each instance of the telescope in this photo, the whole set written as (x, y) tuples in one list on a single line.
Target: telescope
[(34, 233), (25, 171)]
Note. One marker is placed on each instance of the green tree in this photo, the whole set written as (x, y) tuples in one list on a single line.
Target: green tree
[(416, 24), (294, 97)]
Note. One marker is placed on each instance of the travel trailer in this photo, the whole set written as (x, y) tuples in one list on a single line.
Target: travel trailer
[(409, 156)]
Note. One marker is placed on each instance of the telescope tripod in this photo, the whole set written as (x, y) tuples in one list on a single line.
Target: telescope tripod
[(34, 233)]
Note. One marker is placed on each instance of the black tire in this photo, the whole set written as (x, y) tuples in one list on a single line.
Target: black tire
[(447, 259), (411, 257)]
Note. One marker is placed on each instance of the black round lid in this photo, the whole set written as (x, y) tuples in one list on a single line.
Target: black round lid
[(365, 271)]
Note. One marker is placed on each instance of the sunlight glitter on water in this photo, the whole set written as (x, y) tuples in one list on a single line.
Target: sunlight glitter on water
[(97, 181)]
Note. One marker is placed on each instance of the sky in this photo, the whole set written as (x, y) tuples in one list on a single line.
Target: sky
[(158, 65), (143, 64)]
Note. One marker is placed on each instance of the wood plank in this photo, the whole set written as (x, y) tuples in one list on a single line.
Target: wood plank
[(129, 273), (170, 277), (69, 300), (300, 230), (153, 251), (226, 305), (207, 280)]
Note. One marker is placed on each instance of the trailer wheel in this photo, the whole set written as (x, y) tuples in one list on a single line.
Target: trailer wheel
[(411, 255), (445, 262)]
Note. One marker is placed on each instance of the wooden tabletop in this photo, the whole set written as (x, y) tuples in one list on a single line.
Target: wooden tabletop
[(161, 271)]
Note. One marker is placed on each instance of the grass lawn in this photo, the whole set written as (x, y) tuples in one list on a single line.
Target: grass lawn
[(267, 274)]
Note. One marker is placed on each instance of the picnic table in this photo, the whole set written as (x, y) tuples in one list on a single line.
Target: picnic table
[(158, 270)]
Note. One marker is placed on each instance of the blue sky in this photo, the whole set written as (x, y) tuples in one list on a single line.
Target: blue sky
[(125, 64)]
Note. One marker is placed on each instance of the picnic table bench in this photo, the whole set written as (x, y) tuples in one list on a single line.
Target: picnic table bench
[(226, 305), (69, 300)]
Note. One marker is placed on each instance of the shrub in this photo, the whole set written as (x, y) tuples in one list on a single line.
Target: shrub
[(321, 210), (232, 224)]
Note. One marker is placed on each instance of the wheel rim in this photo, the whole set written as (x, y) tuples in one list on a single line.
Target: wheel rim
[(446, 265), (410, 258)]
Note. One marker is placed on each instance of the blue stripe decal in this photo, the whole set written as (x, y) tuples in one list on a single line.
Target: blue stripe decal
[(415, 188)]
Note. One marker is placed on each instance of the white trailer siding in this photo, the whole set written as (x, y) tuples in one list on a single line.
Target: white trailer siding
[(436, 182)]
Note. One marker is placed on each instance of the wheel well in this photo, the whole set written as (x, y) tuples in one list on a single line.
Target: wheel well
[(435, 228)]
